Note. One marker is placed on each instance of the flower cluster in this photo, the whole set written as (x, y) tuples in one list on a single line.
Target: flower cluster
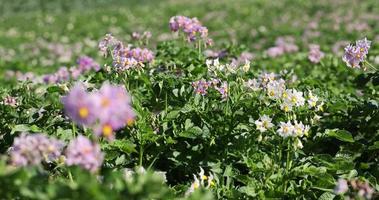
[(362, 189), (85, 153), (201, 181), (315, 54), (215, 68), (354, 55), (85, 64), (276, 90), (242, 59), (264, 123), (285, 129), (191, 27), (201, 87), (32, 149), (10, 101), (124, 57), (282, 45), (146, 35), (20, 76), (106, 110)]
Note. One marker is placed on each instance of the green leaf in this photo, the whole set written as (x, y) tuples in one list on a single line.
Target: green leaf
[(172, 115), (25, 128), (53, 89), (192, 132), (342, 135), (375, 146), (327, 196)]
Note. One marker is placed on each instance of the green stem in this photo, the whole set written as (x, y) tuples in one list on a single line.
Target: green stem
[(70, 176), (370, 65), (288, 163), (140, 154), (166, 107), (74, 129), (199, 48)]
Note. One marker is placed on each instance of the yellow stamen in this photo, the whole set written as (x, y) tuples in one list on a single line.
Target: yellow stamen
[(130, 121), (195, 185), (285, 130), (83, 112), (213, 183), (107, 130), (204, 177), (105, 102)]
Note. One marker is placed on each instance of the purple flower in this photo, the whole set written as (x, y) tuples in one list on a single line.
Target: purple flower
[(363, 45), (10, 101), (86, 63), (191, 27), (354, 55), (341, 186), (245, 56), (223, 90), (63, 74), (201, 87), (282, 45), (82, 152), (107, 41), (315, 55), (275, 52), (80, 106), (75, 72), (136, 36), (114, 111), (124, 63), (125, 57), (32, 149), (141, 55)]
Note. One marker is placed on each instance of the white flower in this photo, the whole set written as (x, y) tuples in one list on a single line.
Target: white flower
[(210, 181), (320, 107), (246, 67), (140, 170), (296, 97), (286, 105), (312, 101), (275, 89), (264, 123), (208, 62), (298, 144), (267, 77), (128, 174), (162, 174), (195, 185), (216, 62), (286, 129), (253, 84), (300, 129), (199, 182)]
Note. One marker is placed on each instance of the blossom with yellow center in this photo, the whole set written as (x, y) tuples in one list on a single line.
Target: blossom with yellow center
[(83, 112), (107, 130), (196, 185), (105, 102)]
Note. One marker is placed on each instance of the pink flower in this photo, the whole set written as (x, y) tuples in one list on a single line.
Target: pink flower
[(82, 152)]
